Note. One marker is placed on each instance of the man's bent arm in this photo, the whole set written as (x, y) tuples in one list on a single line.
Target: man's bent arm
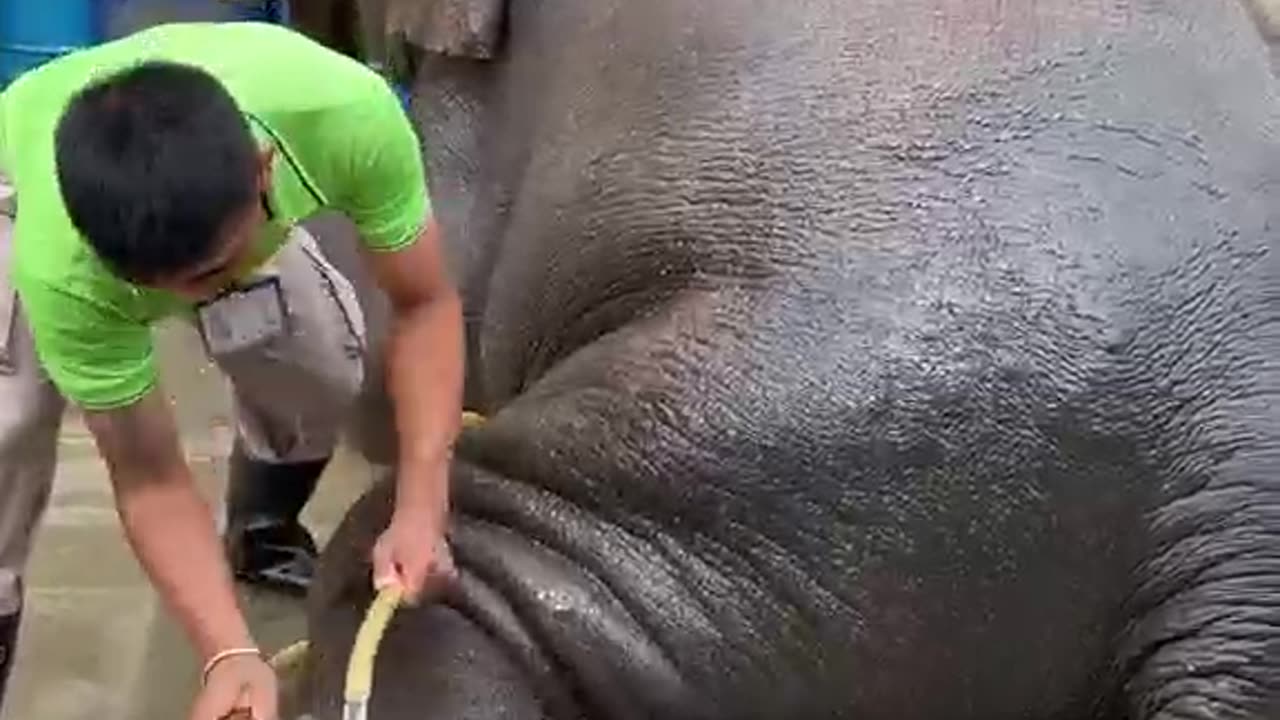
[(168, 523), (424, 365)]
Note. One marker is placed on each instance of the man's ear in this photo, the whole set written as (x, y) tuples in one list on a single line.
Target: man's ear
[(266, 167), (458, 28)]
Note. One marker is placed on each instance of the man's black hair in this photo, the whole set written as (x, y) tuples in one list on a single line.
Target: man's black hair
[(152, 162)]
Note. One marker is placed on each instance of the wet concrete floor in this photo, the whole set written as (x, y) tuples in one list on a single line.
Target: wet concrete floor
[(95, 641)]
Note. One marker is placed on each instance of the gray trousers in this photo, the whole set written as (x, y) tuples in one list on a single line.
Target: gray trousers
[(294, 395)]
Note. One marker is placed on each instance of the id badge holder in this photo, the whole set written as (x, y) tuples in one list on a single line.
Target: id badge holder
[(243, 318)]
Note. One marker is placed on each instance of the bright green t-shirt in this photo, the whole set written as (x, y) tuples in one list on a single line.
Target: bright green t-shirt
[(343, 143)]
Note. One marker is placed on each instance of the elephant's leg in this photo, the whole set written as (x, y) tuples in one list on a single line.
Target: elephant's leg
[(531, 629), (434, 662), (439, 664)]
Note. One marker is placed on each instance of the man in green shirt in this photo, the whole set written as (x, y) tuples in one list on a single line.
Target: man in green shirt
[(164, 174)]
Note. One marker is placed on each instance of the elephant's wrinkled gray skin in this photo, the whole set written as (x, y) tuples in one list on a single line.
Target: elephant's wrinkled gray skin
[(902, 359)]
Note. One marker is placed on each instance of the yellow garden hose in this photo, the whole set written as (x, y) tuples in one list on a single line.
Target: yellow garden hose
[(359, 685), (290, 657), (359, 681)]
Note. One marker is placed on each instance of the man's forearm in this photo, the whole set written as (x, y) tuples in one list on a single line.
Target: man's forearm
[(424, 376), (167, 522), (171, 530)]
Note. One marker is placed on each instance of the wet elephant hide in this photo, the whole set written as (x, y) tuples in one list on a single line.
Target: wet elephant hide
[(906, 359)]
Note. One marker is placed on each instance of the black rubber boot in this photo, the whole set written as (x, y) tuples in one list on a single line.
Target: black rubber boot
[(265, 542), (8, 648)]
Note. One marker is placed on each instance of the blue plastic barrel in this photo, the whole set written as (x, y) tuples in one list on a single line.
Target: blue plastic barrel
[(34, 31)]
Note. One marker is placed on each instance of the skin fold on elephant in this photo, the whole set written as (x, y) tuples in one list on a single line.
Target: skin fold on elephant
[(896, 359)]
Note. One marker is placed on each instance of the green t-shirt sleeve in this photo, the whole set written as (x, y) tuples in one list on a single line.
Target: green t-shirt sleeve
[(95, 356), (384, 184)]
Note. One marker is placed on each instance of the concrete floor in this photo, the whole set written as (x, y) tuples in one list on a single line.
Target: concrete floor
[(95, 641)]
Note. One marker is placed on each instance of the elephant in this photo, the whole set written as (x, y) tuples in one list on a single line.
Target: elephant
[(893, 359)]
